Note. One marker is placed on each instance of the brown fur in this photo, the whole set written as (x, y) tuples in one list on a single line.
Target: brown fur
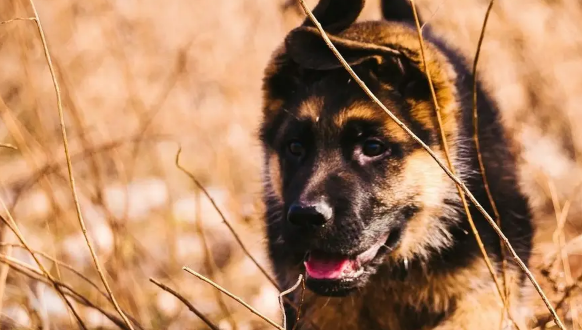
[(434, 277)]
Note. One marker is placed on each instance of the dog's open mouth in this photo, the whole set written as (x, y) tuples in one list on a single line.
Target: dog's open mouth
[(336, 275)]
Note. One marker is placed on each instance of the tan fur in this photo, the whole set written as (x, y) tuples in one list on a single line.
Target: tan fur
[(310, 109), (478, 305), (466, 298), (365, 110), (424, 177), (275, 176)]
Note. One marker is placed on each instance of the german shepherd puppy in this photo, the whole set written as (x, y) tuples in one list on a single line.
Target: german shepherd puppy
[(355, 204)]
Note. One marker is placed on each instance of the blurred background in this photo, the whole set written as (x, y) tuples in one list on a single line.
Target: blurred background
[(141, 78)]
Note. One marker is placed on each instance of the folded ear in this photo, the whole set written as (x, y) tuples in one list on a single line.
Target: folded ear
[(336, 15), (398, 11), (306, 47)]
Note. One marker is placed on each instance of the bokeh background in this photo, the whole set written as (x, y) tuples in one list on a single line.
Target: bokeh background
[(141, 78)]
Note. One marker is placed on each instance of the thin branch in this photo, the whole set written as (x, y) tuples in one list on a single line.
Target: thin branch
[(286, 292), (237, 299), (32, 273), (560, 241), (433, 14), (187, 303), (568, 291), (480, 155), (18, 19), (497, 230), (210, 264), (4, 269), (10, 223), (228, 225), (70, 166), (300, 304), (449, 162), (8, 146), (60, 263), (231, 229)]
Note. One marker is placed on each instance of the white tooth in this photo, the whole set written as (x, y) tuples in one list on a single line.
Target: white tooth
[(406, 263)]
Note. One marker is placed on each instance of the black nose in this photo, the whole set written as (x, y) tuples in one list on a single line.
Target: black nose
[(309, 215)]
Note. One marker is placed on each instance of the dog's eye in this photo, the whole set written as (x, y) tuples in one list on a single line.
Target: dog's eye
[(296, 148), (373, 148)]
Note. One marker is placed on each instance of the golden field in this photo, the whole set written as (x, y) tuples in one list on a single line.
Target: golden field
[(139, 79)]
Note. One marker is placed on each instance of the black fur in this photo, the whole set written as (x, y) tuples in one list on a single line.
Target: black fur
[(349, 187)]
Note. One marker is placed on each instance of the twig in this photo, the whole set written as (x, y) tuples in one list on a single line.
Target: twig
[(228, 225), (24, 183), (10, 223), (18, 19), (231, 229), (4, 271), (187, 303), (567, 293), (210, 264), (30, 272), (282, 294), (434, 156), (300, 304), (432, 15), (70, 166), (8, 146), (480, 155), (560, 240), (237, 299), (20, 133), (448, 158), (60, 263)]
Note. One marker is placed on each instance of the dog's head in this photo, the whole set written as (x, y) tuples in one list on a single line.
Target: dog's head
[(346, 188)]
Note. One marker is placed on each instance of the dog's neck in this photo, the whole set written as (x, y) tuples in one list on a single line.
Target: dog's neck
[(418, 299)]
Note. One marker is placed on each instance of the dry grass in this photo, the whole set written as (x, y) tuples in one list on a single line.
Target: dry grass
[(140, 78)]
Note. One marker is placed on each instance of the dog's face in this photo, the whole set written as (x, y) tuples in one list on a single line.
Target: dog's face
[(346, 188)]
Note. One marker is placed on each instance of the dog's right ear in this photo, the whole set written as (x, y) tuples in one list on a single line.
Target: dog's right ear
[(398, 11), (336, 15)]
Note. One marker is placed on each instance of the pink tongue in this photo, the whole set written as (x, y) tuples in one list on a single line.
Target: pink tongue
[(320, 268)]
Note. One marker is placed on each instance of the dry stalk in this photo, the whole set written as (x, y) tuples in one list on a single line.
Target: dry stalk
[(231, 229), (301, 299), (445, 146), (32, 273), (70, 166), (187, 303), (453, 177), (237, 299), (568, 291), (286, 292), (559, 239), (10, 223), (480, 155), (8, 146), (4, 272), (210, 264), (228, 225), (18, 19), (60, 263), (18, 131), (56, 165)]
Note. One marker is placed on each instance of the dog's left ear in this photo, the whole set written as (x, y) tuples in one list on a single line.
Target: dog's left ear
[(336, 15), (306, 47)]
